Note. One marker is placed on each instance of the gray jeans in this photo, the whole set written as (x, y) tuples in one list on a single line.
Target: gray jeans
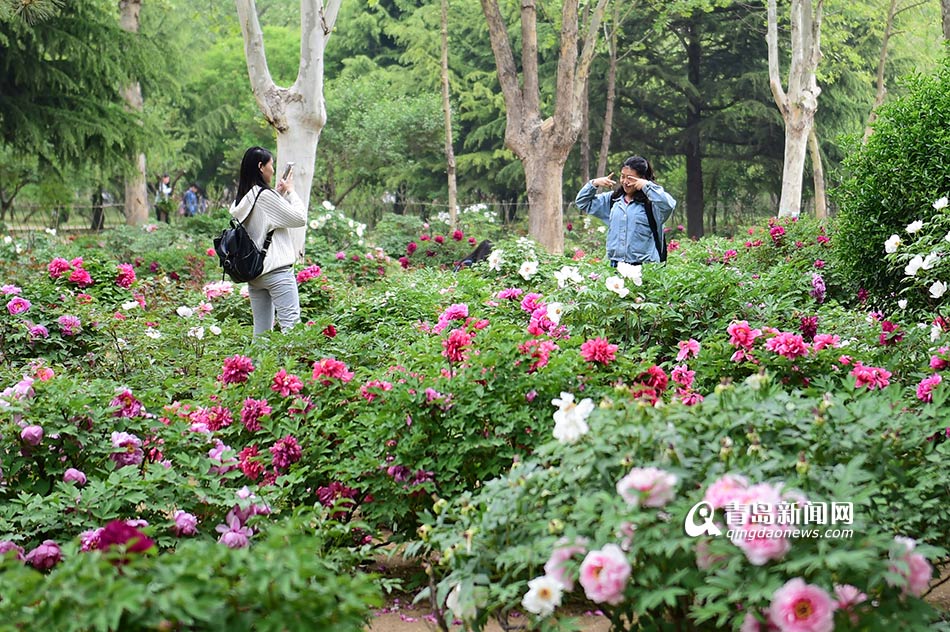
[(274, 291)]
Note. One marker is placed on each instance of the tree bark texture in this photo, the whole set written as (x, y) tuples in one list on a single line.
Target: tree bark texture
[(818, 176), (136, 189), (297, 113), (447, 112), (611, 97), (542, 144), (945, 12), (799, 104), (693, 146)]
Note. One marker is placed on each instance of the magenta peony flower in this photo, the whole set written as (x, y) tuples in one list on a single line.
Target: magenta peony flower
[(126, 275), (233, 534), (604, 575), (331, 368), (249, 463), (531, 302), (126, 404), (509, 293), (801, 607), (45, 556), (69, 325), (286, 452), (286, 384), (455, 345), (72, 475), (308, 273), (185, 523), (57, 267), (647, 486), (252, 411), (120, 533), (32, 435), (18, 305), (130, 449), (8, 547), (871, 377), (598, 350), (788, 345), (236, 369), (741, 335), (682, 375), (80, 277), (926, 387)]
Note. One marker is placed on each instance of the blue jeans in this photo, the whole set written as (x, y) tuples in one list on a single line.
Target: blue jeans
[(275, 291)]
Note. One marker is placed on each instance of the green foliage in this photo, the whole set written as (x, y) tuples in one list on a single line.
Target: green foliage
[(292, 578), (892, 181)]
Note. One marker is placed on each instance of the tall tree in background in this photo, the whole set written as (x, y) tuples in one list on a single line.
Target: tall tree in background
[(297, 113), (945, 12), (447, 110), (136, 192), (543, 144), (799, 104)]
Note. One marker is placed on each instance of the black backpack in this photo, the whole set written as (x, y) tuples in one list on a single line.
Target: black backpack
[(239, 257)]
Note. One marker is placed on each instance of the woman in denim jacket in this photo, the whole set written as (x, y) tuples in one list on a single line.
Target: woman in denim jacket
[(629, 236)]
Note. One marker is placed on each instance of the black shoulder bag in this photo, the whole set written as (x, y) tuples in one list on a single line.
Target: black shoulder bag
[(238, 254)]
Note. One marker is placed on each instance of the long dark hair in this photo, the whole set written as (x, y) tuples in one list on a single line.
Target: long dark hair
[(251, 170), (644, 169)]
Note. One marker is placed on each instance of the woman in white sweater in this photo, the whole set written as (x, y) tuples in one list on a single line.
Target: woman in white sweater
[(264, 210)]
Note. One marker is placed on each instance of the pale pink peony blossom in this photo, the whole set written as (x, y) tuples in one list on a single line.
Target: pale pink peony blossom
[(647, 486), (725, 490), (604, 575), (555, 566), (687, 348), (801, 607)]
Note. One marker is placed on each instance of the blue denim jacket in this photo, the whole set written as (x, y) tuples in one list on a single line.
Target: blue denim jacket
[(628, 230)]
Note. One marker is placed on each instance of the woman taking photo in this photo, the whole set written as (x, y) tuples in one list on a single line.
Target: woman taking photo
[(264, 211), (634, 212)]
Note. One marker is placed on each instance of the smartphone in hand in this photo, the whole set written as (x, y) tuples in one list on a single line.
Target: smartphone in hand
[(287, 170)]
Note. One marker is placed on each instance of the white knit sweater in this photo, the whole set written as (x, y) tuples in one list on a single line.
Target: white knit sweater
[(272, 212)]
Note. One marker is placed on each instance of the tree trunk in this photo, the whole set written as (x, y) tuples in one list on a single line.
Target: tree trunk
[(136, 189), (447, 111), (693, 147), (297, 113), (818, 174), (544, 174), (945, 11), (585, 121), (881, 90), (611, 94), (799, 105), (543, 142)]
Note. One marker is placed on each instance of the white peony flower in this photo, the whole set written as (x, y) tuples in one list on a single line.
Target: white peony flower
[(914, 266), (937, 289), (494, 260), (914, 226), (902, 303), (567, 273), (153, 333), (314, 224), (215, 330), (196, 332), (465, 613), (130, 305), (890, 246), (327, 204), (946, 237), (555, 311), (185, 312), (629, 271), (528, 269), (941, 203), (930, 260), (935, 332), (616, 285), (543, 596), (570, 420)]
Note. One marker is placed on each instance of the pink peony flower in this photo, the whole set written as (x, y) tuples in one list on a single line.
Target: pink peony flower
[(308, 273), (331, 368), (912, 567), (687, 348), (752, 515), (509, 293), (32, 435), (683, 376), (647, 486), (80, 277), (89, 540), (286, 384), (185, 523), (57, 267), (788, 345), (236, 370), (249, 463), (531, 302), (286, 452), (598, 350), (126, 405), (252, 411), (69, 325), (869, 376), (72, 475), (121, 533), (555, 566), (233, 534), (801, 607), (8, 547), (926, 387), (45, 556), (455, 345), (741, 335), (126, 276), (18, 305), (129, 449), (826, 340), (604, 575)]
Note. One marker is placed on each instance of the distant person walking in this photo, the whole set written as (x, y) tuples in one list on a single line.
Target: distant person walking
[(634, 212), (190, 200), (264, 210), (163, 200)]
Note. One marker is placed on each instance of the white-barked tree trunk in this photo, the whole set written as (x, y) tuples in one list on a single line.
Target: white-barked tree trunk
[(297, 113)]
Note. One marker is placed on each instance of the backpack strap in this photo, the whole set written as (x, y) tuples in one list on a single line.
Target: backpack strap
[(270, 235), (660, 250)]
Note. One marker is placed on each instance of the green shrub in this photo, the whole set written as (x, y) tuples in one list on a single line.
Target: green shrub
[(893, 180)]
